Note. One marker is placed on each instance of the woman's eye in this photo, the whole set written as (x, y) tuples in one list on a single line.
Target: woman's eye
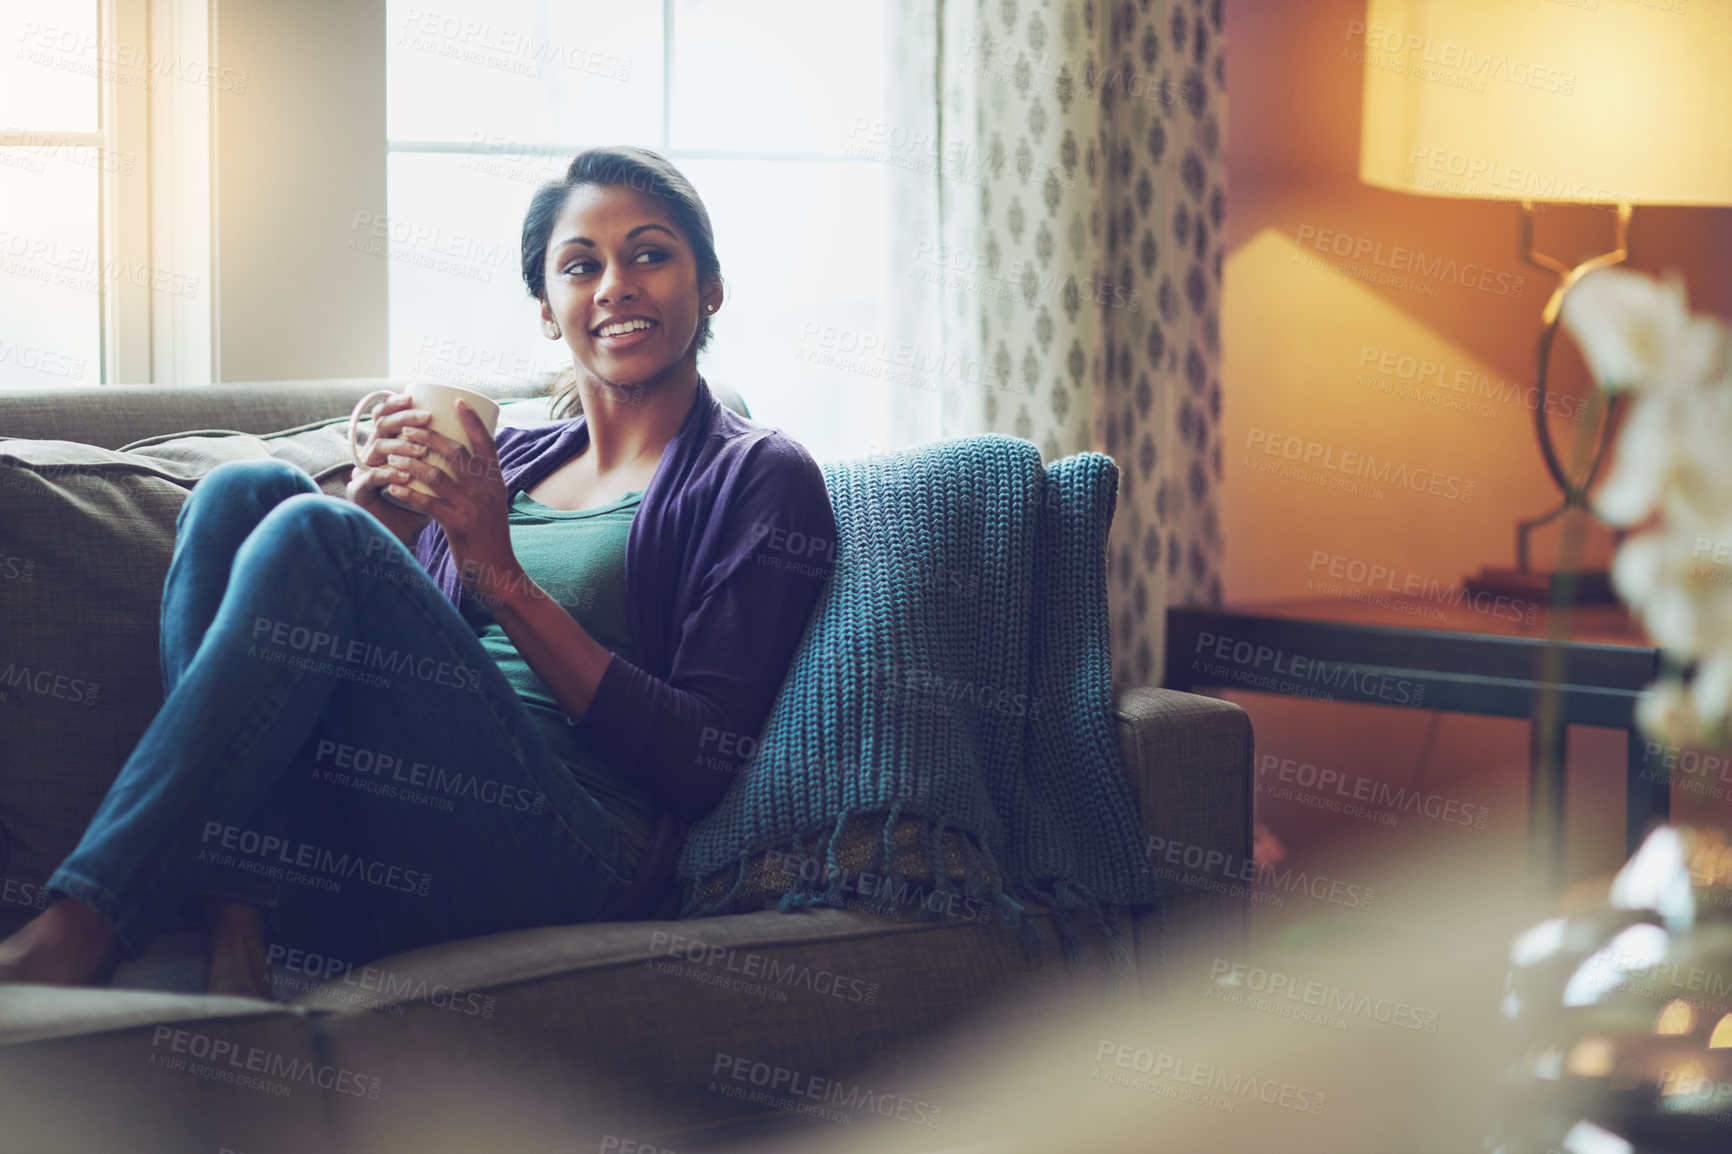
[(578, 267)]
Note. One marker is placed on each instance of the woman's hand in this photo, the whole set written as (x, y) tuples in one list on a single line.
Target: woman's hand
[(469, 502), (397, 414)]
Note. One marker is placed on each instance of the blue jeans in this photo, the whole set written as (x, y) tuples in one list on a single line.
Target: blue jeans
[(335, 745)]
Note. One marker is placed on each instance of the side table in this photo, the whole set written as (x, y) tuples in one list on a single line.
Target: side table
[(1385, 651)]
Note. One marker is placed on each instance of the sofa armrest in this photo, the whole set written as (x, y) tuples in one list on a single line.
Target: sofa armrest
[(1188, 759)]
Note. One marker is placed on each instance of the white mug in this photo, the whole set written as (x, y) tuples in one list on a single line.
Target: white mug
[(441, 401)]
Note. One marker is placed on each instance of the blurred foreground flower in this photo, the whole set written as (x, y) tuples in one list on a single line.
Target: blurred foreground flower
[(1621, 1024), (1672, 475)]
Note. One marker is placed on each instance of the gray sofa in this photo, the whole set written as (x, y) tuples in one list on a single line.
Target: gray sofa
[(619, 1036)]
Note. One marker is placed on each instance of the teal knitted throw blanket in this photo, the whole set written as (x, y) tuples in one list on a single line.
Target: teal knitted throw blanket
[(956, 677)]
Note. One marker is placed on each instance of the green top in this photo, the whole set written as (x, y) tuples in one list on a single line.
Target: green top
[(578, 557)]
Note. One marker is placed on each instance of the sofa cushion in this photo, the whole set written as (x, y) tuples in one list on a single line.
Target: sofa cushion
[(165, 1072), (658, 1030), (86, 535), (662, 1026), (46, 1013)]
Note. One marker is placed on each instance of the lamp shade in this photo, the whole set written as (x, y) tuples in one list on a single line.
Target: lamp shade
[(1588, 101)]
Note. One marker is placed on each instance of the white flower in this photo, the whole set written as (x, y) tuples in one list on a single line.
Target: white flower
[(1711, 692), (1639, 567), (1666, 713), (1672, 474), (1669, 576), (1643, 463), (1701, 420), (1625, 323)]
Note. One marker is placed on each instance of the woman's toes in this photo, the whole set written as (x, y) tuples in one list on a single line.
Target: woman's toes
[(237, 973)]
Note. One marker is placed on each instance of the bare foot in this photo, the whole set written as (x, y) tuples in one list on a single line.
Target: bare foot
[(236, 962), (67, 944)]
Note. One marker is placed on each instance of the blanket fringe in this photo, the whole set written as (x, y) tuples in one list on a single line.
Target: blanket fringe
[(973, 882), (892, 875), (793, 902), (884, 843), (726, 900), (1066, 900), (935, 846), (797, 897), (1013, 914), (1069, 903), (1121, 959), (832, 867), (884, 901), (930, 910), (1157, 961)]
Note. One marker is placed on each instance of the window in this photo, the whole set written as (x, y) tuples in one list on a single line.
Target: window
[(77, 286), (758, 102), (51, 155)]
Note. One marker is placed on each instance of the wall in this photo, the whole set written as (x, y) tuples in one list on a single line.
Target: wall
[(299, 150), (1302, 348)]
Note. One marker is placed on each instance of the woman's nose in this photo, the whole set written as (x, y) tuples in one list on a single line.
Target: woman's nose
[(615, 285)]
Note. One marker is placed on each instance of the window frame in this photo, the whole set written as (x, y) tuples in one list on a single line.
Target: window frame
[(123, 231)]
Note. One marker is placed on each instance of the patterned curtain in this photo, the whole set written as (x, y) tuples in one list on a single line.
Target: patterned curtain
[(1057, 202)]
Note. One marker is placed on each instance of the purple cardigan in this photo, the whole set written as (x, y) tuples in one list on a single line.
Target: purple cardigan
[(725, 560)]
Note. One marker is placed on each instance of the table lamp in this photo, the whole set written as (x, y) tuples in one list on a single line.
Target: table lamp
[(1617, 104)]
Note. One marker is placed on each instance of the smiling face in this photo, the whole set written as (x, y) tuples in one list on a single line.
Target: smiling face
[(622, 284)]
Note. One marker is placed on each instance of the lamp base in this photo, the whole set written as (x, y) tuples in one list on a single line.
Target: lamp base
[(1546, 586)]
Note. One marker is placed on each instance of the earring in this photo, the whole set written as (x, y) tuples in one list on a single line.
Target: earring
[(552, 331), (711, 309)]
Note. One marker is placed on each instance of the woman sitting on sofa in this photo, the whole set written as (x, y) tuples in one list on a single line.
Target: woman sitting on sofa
[(582, 627)]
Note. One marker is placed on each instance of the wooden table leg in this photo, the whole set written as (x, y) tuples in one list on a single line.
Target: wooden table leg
[(1546, 777), (1648, 792)]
